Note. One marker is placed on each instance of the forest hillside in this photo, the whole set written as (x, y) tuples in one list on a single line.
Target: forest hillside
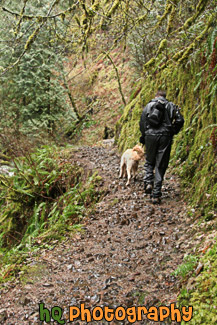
[(75, 77)]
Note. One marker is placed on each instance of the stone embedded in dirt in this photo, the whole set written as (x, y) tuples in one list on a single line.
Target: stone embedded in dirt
[(69, 267), (126, 260), (95, 299), (47, 285)]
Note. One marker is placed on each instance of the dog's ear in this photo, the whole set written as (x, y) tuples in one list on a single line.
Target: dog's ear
[(138, 149)]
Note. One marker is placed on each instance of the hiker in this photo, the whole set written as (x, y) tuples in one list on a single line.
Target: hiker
[(160, 120)]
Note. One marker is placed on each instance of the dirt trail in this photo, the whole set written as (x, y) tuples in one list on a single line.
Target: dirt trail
[(125, 256)]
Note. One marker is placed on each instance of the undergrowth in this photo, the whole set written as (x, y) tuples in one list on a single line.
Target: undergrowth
[(203, 295), (186, 267), (45, 198)]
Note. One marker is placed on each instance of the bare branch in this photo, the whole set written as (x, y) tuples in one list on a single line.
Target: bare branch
[(118, 77)]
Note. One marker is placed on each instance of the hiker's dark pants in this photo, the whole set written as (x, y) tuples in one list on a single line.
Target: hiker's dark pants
[(158, 149)]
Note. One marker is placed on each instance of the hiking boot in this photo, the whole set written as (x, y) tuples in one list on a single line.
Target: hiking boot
[(156, 200), (148, 188)]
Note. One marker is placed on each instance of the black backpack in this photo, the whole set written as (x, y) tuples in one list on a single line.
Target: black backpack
[(156, 114)]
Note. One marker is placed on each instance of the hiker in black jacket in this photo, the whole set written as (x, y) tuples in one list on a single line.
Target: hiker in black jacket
[(160, 120)]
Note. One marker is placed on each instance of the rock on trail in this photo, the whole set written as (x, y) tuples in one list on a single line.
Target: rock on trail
[(124, 257)]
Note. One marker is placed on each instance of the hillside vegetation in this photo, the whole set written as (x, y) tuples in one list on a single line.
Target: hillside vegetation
[(192, 87)]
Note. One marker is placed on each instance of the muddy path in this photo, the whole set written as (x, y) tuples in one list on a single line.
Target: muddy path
[(124, 257)]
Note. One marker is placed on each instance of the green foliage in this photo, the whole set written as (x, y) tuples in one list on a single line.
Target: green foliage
[(32, 97), (44, 199), (186, 267), (204, 296)]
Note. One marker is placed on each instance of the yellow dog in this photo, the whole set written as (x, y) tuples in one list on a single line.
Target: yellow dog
[(130, 161)]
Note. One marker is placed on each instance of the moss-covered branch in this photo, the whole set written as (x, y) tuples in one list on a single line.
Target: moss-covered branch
[(171, 19), (199, 9), (113, 8), (162, 46), (21, 17), (197, 40), (142, 18), (167, 11)]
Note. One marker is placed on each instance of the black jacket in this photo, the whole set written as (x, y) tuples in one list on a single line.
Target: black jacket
[(171, 124)]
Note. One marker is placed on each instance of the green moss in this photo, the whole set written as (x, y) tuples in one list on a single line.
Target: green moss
[(203, 296), (150, 63), (113, 8), (198, 39), (193, 145), (167, 11), (31, 38), (171, 20), (162, 46), (127, 129)]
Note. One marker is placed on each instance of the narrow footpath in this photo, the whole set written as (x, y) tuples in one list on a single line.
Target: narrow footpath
[(124, 257)]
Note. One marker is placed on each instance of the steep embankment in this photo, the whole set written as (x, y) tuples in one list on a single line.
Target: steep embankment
[(125, 257), (193, 87), (194, 149)]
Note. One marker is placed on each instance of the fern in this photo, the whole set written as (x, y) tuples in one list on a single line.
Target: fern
[(43, 193), (199, 82)]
